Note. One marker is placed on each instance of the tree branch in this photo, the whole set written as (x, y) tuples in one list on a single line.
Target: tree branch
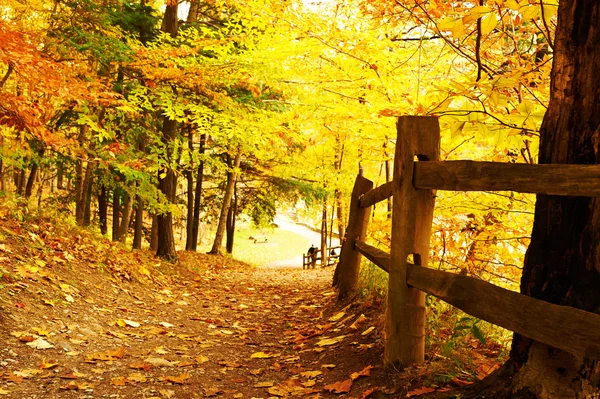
[(11, 68)]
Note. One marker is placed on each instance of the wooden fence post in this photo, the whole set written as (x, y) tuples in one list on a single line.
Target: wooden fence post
[(346, 272), (411, 229)]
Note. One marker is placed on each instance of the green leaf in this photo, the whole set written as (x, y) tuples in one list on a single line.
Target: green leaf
[(478, 334)]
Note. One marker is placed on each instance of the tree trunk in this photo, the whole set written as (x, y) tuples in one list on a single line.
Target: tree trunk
[(83, 186), (20, 181), (154, 233), (231, 177), (103, 210), (1, 163), (116, 214), (125, 218), (87, 213), (231, 221), (31, 180), (168, 186), (339, 204), (139, 222), (189, 175), (324, 234), (193, 11), (562, 264), (198, 194)]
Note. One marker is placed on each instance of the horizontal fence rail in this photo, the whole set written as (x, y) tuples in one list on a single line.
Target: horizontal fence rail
[(552, 179), (533, 318), (376, 195)]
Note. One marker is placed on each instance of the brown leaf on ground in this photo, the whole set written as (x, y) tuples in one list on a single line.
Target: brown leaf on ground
[(368, 392), (180, 379), (419, 392), (339, 386), (363, 373)]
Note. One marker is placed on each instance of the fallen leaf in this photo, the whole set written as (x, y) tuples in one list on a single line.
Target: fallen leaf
[(180, 379), (363, 373), (368, 392), (263, 355), (4, 391), (337, 316), (460, 383), (12, 377), (201, 359), (211, 391), (161, 350), (40, 343), (278, 391), (118, 381), (419, 391), (141, 365), (131, 323), (238, 395), (46, 365), (107, 356), (311, 374), (330, 341), (159, 362), (359, 320), (264, 384), (339, 387), (165, 324), (368, 331), (309, 383), (328, 366), (135, 378)]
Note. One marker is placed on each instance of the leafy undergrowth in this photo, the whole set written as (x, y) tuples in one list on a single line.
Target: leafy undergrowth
[(82, 317)]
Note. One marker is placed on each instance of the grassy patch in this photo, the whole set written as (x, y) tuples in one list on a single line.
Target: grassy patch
[(281, 245)]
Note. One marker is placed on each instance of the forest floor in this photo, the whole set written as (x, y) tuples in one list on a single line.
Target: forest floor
[(82, 317)]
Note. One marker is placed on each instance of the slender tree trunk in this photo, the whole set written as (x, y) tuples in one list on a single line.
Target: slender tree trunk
[(198, 194), (31, 180), (231, 214), (189, 175), (103, 210), (125, 218), (83, 187), (20, 182), (139, 222), (339, 204), (154, 234), (231, 177), (324, 234), (116, 214), (89, 185), (60, 171), (1, 163), (562, 264)]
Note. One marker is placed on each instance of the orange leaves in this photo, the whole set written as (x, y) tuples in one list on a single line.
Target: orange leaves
[(107, 356), (340, 386)]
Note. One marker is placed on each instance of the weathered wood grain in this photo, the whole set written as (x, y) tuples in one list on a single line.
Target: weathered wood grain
[(412, 214), (552, 179), (376, 195), (346, 272), (377, 256), (573, 330)]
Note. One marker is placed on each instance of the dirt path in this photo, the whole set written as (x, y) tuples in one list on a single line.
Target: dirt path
[(241, 333)]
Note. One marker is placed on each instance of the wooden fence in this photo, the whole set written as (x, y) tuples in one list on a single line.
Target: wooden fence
[(308, 261), (414, 181)]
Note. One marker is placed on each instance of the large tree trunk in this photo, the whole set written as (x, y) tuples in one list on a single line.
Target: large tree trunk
[(562, 264), (168, 186), (198, 194), (231, 177)]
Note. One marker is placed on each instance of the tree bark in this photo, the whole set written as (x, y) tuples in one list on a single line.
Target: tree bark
[(231, 221), (139, 222), (168, 186), (198, 194), (189, 175), (324, 234), (562, 264), (116, 213), (154, 233), (125, 218), (103, 210), (231, 177)]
